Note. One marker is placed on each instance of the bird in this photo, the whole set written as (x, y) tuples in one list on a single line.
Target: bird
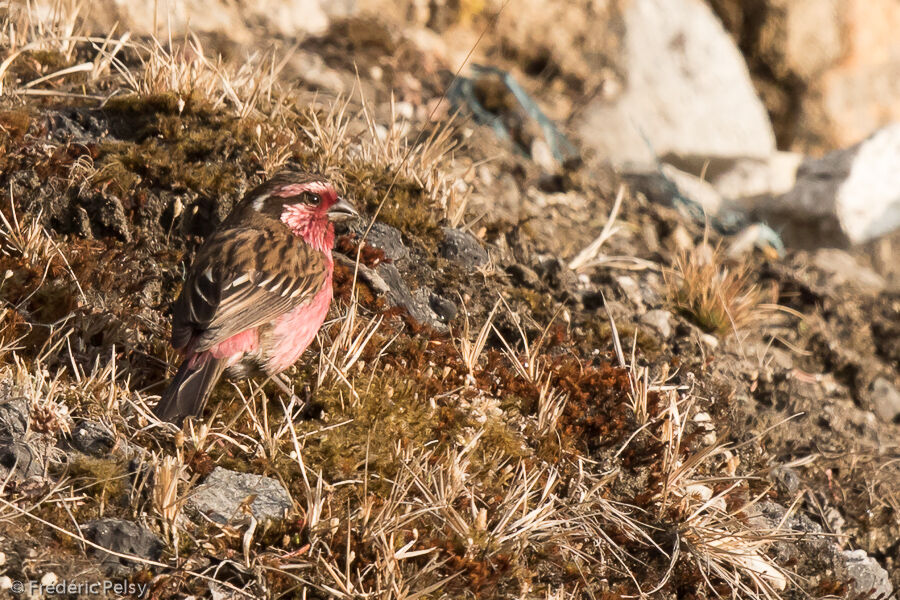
[(258, 289)]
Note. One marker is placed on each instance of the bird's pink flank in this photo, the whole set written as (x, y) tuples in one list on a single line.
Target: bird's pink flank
[(296, 330), (245, 341)]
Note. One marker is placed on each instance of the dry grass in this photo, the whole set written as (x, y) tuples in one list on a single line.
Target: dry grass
[(470, 350), (719, 298), (473, 505), (168, 472), (343, 137), (709, 529)]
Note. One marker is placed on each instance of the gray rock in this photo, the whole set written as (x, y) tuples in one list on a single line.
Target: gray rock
[(660, 320), (845, 270), (15, 414), (19, 458), (885, 400), (385, 280), (443, 308), (221, 495), (461, 247), (386, 238), (632, 291), (125, 537), (788, 479), (93, 438), (688, 91), (847, 197), (748, 178), (867, 578), (417, 303)]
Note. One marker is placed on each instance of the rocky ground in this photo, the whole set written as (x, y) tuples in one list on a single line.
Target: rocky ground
[(542, 377)]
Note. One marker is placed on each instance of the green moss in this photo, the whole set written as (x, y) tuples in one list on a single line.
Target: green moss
[(133, 105), (390, 414), (407, 207), (15, 123), (541, 305), (103, 478), (36, 63), (162, 147)]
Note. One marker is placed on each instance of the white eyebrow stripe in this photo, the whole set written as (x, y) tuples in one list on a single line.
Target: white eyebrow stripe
[(242, 279), (258, 203)]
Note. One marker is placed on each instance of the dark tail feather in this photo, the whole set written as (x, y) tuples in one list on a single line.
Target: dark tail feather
[(186, 395)]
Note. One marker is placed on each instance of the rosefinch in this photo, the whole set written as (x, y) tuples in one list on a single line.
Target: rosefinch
[(258, 289)]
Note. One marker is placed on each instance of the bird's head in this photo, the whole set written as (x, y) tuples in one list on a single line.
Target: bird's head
[(306, 203)]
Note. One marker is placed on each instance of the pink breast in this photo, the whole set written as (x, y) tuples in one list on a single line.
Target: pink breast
[(294, 331), (237, 345)]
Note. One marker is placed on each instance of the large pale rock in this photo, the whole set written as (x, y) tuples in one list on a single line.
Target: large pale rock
[(239, 22), (848, 197), (829, 70), (754, 177), (858, 93), (688, 91)]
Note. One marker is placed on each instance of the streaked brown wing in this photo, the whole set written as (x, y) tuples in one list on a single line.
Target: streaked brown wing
[(240, 279)]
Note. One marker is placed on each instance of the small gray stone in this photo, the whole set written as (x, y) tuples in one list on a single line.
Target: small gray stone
[(868, 578), (443, 308), (15, 413), (125, 537), (93, 438), (843, 269), (220, 497), (885, 400), (461, 247), (632, 291), (18, 458), (385, 280), (387, 239), (788, 479), (660, 320), (17, 455), (416, 303)]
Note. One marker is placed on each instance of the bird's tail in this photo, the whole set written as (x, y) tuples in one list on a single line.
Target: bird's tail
[(186, 395)]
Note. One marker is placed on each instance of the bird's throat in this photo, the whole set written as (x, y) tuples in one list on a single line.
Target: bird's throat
[(305, 223)]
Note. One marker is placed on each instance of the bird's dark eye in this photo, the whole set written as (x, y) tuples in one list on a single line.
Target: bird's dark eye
[(315, 199)]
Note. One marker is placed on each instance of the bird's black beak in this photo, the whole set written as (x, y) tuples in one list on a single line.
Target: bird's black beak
[(342, 210)]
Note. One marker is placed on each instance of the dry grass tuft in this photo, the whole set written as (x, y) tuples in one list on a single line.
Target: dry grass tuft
[(718, 298), (707, 523), (168, 472)]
